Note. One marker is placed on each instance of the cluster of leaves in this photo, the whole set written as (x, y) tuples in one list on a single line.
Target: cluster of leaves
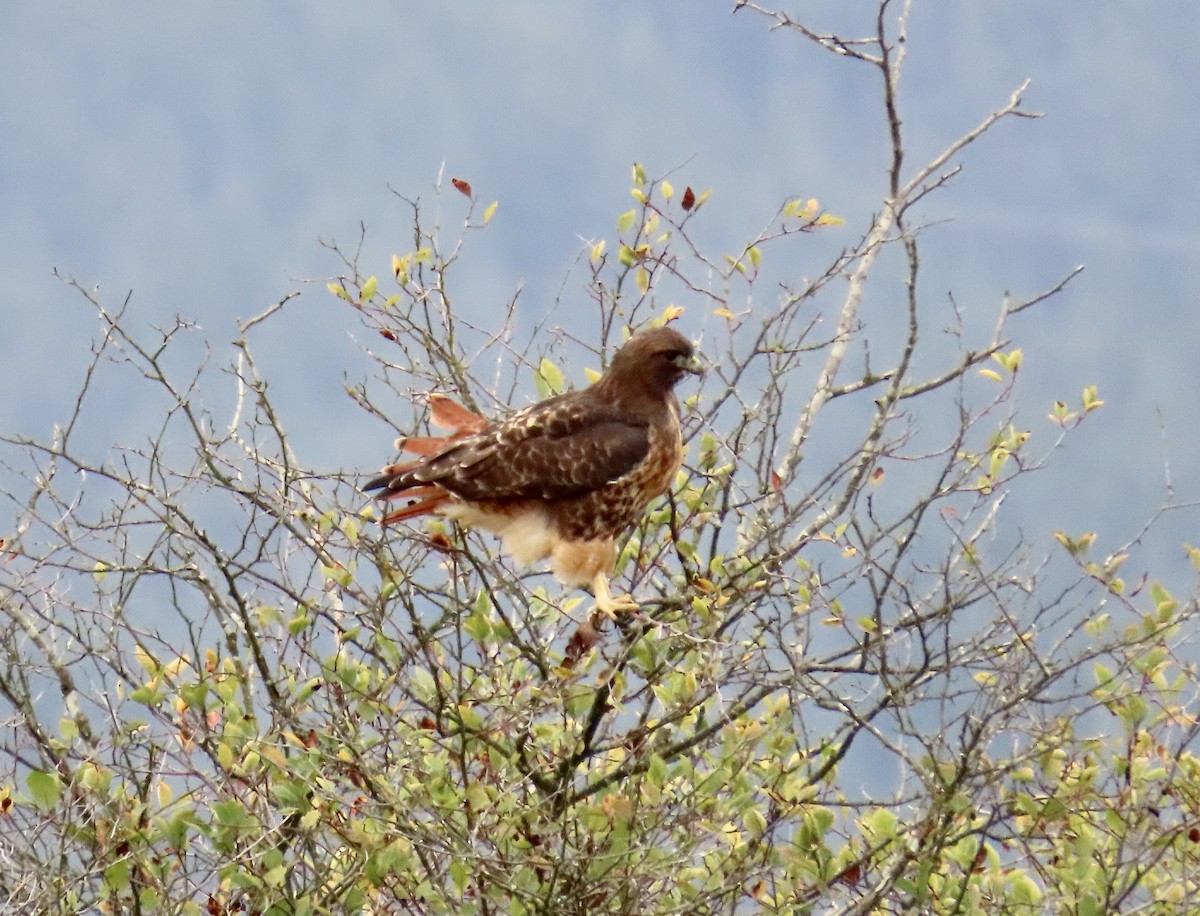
[(848, 689)]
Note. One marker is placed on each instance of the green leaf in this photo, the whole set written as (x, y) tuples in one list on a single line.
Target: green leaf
[(1022, 889), (116, 876), (175, 830), (1053, 809), (369, 288), (44, 790), (477, 625), (1134, 710), (1095, 626), (1010, 361), (1193, 555), (293, 796), (194, 694), (231, 813), (459, 873), (299, 624), (882, 824), (998, 459), (549, 379), (470, 717), (423, 685), (476, 796), (1164, 603), (147, 694), (625, 221), (307, 689), (754, 821)]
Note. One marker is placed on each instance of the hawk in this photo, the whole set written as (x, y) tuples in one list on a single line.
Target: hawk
[(565, 477)]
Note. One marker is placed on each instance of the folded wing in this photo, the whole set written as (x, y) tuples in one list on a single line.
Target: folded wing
[(559, 449)]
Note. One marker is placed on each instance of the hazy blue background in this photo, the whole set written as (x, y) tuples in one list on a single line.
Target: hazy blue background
[(193, 153)]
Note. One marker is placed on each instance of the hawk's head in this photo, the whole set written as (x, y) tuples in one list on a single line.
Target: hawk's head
[(653, 360)]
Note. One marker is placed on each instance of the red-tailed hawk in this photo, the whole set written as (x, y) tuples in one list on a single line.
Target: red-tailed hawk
[(563, 478)]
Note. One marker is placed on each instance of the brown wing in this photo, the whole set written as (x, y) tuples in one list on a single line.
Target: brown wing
[(558, 449)]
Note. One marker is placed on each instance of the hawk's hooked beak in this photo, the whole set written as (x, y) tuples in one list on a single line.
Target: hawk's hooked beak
[(690, 364)]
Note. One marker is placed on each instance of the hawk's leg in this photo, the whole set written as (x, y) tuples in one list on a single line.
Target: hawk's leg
[(608, 604)]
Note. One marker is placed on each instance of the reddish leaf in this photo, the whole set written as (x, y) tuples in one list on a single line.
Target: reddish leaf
[(776, 482), (463, 187), (689, 198), (385, 333), (583, 639), (534, 839), (635, 740), (851, 874), (980, 859)]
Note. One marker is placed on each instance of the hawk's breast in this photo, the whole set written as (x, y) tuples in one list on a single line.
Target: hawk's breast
[(606, 512)]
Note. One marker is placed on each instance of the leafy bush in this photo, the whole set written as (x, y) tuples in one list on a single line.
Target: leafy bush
[(851, 686)]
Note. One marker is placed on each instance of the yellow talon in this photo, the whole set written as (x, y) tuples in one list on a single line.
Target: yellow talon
[(608, 604)]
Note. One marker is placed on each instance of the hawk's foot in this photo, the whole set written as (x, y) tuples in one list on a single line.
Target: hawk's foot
[(608, 604)]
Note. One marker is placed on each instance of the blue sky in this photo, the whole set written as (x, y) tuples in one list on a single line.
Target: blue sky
[(194, 153)]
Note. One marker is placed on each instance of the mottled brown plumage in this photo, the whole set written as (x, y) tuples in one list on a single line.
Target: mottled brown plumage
[(563, 478)]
